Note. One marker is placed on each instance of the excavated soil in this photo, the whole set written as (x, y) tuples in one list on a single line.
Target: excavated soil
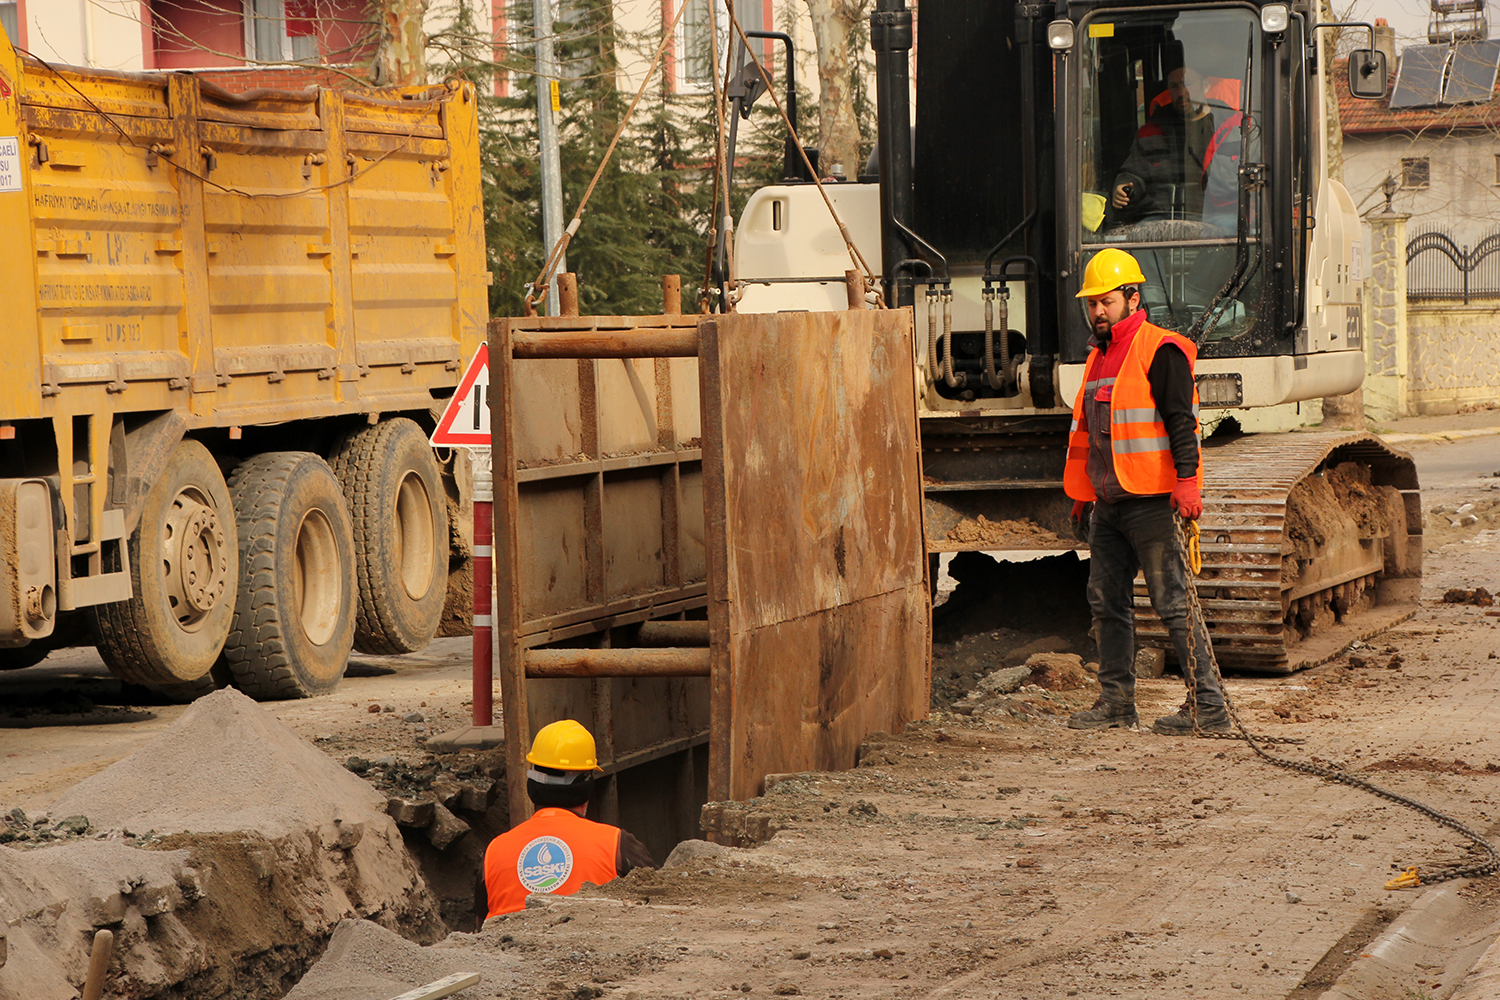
[(1319, 503), (222, 854), (1014, 534)]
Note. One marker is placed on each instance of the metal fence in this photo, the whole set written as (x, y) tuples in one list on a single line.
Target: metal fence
[(1438, 268)]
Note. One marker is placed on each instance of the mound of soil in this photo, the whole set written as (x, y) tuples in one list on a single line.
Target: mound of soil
[(258, 845)]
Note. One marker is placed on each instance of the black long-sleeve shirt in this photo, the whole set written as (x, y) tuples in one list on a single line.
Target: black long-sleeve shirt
[(1171, 379)]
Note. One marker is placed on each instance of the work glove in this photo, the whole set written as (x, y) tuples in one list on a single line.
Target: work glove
[(1186, 500)]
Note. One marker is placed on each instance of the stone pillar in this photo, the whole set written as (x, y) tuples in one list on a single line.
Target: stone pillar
[(1387, 351)]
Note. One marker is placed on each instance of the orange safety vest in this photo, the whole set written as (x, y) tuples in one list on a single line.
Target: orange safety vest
[(1225, 92), (555, 851), (1138, 437)]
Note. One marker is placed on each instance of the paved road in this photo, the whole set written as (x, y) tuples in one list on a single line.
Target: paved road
[(1456, 463)]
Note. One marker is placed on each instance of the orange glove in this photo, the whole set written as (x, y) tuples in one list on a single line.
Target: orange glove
[(1186, 500), (1080, 507)]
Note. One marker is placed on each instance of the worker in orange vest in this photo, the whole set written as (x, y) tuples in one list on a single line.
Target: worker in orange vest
[(557, 850), (1134, 454)]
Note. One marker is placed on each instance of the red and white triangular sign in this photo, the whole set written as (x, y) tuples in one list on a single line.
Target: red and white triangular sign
[(466, 421)]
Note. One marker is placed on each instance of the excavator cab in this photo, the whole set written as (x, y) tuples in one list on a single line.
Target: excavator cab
[(1169, 108)]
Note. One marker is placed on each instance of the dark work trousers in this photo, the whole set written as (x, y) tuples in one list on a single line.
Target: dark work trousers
[(1140, 534)]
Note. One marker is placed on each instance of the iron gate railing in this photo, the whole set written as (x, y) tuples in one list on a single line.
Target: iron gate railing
[(1438, 268)]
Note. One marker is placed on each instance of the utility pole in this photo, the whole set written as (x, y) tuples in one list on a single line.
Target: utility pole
[(551, 163)]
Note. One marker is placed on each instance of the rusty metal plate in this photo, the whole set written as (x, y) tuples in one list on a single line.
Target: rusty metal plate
[(818, 602)]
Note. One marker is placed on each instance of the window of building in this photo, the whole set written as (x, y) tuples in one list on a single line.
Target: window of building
[(693, 52), (281, 30), (1416, 172), (695, 59), (1497, 168), (10, 21)]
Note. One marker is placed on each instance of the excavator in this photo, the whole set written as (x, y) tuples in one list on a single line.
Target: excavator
[(1193, 136)]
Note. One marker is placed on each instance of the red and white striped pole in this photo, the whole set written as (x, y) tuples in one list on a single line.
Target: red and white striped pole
[(484, 574)]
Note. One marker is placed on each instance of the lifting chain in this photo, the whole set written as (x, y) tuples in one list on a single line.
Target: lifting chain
[(1187, 533)]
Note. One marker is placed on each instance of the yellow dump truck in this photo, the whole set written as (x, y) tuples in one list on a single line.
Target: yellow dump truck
[(227, 322)]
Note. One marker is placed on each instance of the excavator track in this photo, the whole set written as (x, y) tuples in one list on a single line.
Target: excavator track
[(1310, 541)]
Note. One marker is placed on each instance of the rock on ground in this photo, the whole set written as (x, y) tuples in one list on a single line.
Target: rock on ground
[(1060, 671)]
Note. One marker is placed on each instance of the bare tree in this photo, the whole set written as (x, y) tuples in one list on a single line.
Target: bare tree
[(838, 127), (400, 57)]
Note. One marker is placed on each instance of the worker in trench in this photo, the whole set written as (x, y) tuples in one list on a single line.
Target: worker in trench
[(1133, 461), (557, 850)]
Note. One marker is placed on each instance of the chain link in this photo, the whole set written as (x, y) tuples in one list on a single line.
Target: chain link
[(1186, 537)]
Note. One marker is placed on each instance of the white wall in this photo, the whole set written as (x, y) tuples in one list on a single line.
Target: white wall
[(105, 34), (1463, 198)]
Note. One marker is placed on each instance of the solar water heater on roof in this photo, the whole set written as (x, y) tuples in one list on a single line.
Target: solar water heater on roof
[(1419, 80), (1471, 76)]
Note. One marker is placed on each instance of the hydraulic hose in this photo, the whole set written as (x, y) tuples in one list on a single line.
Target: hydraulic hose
[(953, 380)]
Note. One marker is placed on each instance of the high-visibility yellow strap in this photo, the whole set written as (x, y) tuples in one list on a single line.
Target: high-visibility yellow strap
[(1406, 880)]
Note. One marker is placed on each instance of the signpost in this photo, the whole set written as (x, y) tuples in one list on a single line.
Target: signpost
[(466, 424)]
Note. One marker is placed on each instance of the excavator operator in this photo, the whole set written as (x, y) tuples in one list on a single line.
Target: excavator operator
[(1162, 177), (1133, 454), (557, 850)]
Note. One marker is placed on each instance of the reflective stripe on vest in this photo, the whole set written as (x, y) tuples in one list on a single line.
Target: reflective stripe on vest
[(555, 851), (1139, 443)]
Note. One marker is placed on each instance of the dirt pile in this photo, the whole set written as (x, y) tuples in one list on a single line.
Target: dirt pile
[(1027, 690), (1061, 671), (226, 764), (1478, 597), (365, 960), (1017, 534), (1321, 504), (259, 843)]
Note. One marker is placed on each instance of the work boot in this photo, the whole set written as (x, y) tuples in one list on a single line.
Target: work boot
[(1104, 715), (1211, 719)]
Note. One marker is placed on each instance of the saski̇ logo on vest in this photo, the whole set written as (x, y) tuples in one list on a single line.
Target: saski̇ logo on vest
[(544, 864)]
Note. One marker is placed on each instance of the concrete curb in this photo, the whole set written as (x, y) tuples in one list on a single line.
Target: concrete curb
[(1438, 930), (1483, 981), (1437, 437)]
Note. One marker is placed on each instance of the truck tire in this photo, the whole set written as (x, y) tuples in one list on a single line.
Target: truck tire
[(184, 566), (400, 516), (294, 620)]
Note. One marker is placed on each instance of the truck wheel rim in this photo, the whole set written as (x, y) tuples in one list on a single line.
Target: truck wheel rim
[(195, 560), (317, 584), (414, 530)]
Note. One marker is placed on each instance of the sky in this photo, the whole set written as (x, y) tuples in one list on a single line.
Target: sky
[(1408, 17)]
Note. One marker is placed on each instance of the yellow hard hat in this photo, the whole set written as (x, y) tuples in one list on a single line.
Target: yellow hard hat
[(1109, 269), (565, 746)]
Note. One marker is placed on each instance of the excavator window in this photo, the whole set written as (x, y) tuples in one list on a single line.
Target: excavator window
[(1170, 108)]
